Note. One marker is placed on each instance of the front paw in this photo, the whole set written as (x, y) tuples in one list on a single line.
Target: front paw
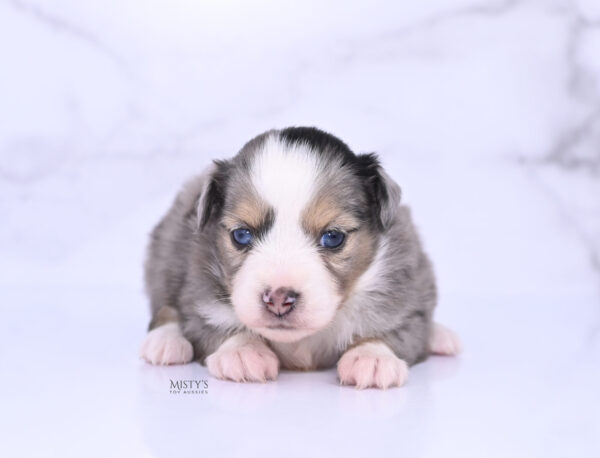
[(244, 358), (165, 345), (443, 341), (372, 364)]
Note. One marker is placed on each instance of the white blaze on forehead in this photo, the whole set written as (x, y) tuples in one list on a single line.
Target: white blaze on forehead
[(285, 177)]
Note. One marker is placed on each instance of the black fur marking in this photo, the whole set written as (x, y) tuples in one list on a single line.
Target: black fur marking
[(368, 167), (215, 198), (421, 314), (258, 233), (265, 226), (320, 141), (365, 166)]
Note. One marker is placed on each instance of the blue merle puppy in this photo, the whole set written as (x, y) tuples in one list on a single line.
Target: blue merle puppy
[(296, 253)]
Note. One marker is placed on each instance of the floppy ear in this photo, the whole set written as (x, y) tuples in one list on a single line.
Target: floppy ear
[(383, 192), (212, 194)]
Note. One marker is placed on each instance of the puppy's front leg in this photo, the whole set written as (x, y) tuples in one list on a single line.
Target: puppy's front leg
[(372, 364), (383, 361), (165, 343), (244, 357)]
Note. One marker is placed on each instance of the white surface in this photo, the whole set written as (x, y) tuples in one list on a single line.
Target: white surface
[(526, 385), (487, 114)]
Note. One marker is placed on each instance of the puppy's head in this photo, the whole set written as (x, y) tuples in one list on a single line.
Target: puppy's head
[(297, 217)]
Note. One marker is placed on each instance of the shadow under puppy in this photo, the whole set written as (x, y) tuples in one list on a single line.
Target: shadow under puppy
[(295, 253)]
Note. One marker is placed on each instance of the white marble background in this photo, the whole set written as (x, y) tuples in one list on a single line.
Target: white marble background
[(486, 112)]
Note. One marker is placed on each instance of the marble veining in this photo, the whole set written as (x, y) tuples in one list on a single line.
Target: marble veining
[(486, 112)]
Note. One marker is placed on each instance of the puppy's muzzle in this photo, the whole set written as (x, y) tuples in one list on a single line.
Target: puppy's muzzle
[(281, 301)]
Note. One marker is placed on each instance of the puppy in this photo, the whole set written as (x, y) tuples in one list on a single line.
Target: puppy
[(295, 254)]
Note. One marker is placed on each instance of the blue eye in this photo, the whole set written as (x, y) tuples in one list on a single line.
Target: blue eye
[(332, 239), (242, 237)]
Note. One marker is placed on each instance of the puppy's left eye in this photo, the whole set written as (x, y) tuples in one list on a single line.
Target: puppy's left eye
[(332, 239), (242, 237)]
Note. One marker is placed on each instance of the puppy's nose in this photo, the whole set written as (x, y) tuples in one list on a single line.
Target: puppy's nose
[(281, 301)]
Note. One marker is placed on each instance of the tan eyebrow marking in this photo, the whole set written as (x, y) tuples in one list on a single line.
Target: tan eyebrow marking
[(251, 211), (325, 211)]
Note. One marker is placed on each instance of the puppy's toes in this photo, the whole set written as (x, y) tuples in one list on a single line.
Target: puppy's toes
[(443, 341), (244, 358), (372, 365), (165, 345)]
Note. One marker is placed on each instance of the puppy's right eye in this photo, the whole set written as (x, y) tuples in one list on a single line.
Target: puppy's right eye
[(332, 239), (242, 237)]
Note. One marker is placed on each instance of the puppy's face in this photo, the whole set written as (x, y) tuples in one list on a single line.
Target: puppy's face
[(296, 228)]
